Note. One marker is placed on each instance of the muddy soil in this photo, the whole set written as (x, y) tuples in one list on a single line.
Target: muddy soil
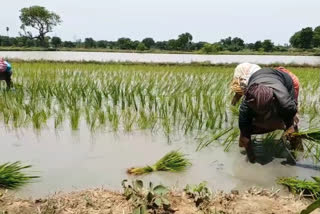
[(98, 201)]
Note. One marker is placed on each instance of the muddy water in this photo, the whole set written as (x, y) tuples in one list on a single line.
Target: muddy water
[(68, 161), (159, 58)]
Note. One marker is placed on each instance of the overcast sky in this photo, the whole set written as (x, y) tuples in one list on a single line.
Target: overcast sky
[(206, 20)]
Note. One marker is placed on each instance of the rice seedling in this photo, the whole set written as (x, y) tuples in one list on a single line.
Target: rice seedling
[(206, 141), (311, 141), (12, 175), (302, 187), (173, 161), (311, 135), (128, 120), (187, 99)]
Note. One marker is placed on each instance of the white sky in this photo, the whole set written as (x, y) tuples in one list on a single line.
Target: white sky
[(206, 20)]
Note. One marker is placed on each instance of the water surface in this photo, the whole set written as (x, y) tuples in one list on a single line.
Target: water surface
[(68, 161), (159, 58)]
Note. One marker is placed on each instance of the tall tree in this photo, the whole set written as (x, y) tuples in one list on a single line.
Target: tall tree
[(184, 41), (124, 43), (267, 45), (226, 42), (303, 38), (89, 43), (40, 19), (173, 44), (295, 40), (257, 45), (148, 42), (56, 41), (306, 37), (316, 37), (237, 44), (232, 44)]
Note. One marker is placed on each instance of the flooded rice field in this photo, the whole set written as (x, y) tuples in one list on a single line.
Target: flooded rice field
[(159, 58), (68, 161), (84, 125)]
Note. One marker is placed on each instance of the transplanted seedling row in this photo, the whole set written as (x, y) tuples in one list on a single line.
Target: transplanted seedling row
[(187, 100)]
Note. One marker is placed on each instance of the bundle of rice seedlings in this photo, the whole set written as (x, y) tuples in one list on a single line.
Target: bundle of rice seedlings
[(303, 187), (173, 161), (12, 177), (311, 135)]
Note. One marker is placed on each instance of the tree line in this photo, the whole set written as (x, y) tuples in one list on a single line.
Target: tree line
[(43, 21)]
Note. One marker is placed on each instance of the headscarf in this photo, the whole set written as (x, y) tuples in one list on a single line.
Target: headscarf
[(241, 76), (3, 65), (259, 97), (8, 67)]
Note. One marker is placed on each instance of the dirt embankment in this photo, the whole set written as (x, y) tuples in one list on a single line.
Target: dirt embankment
[(100, 201)]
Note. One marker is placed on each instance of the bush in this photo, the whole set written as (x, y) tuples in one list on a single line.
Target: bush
[(211, 48), (207, 48), (142, 47)]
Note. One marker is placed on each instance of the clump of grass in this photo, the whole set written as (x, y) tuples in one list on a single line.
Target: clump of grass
[(173, 161), (12, 176), (303, 187)]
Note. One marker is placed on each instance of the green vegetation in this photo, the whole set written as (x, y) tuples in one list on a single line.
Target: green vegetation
[(311, 135), (12, 175), (201, 195), (312, 207), (173, 161), (307, 38), (191, 100), (302, 187), (43, 21), (40, 19), (151, 200)]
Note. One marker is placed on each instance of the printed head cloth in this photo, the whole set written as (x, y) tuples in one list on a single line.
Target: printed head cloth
[(241, 76)]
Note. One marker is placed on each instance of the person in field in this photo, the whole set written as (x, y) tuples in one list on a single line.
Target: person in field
[(5, 72), (270, 103)]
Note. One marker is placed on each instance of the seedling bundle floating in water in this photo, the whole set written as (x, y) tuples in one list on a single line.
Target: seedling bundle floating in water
[(12, 177), (173, 161)]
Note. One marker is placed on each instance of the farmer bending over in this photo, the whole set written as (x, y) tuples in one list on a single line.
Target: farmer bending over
[(5, 72), (270, 103), (242, 74)]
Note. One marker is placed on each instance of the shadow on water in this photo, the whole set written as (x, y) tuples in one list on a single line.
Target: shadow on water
[(308, 166), (266, 152)]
